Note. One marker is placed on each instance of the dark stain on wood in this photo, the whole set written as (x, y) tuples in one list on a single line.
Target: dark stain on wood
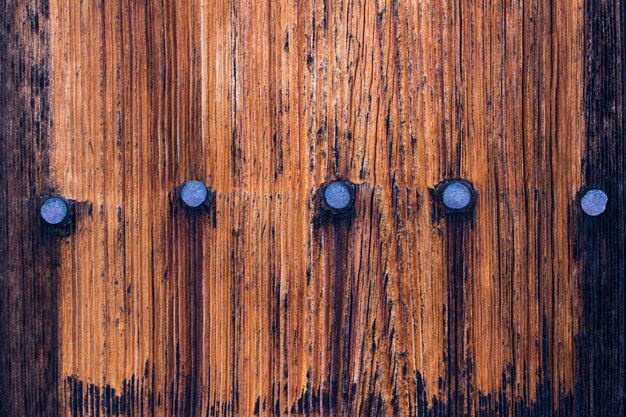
[(600, 244), (28, 256), (88, 399), (457, 233)]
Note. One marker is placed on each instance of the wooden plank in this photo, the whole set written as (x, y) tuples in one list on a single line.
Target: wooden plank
[(599, 243), (28, 257), (260, 306)]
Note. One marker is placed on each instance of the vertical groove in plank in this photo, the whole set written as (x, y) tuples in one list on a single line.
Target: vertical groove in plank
[(28, 256)]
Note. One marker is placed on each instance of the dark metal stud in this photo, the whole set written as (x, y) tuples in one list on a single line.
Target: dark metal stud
[(593, 202), (337, 197), (456, 195), (194, 195), (56, 214), (54, 210)]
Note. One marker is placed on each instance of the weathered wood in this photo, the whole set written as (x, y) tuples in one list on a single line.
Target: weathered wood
[(600, 244), (261, 306), (28, 258)]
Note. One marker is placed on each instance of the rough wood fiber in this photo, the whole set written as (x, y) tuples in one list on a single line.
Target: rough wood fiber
[(258, 309), (28, 258), (600, 243)]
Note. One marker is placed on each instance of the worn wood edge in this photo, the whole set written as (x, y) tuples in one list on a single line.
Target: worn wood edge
[(599, 244), (28, 255)]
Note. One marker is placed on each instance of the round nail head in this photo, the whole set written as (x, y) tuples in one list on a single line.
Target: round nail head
[(594, 202), (193, 193), (54, 210), (337, 195), (456, 196)]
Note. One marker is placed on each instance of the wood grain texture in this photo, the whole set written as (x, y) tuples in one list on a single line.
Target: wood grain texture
[(28, 257), (259, 308), (600, 244)]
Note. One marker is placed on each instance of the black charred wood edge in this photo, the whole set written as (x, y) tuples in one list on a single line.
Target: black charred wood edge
[(438, 194), (67, 226), (330, 213), (194, 211), (598, 242)]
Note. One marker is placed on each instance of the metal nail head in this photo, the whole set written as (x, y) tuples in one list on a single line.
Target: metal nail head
[(54, 210), (194, 195), (337, 197), (456, 194), (594, 202)]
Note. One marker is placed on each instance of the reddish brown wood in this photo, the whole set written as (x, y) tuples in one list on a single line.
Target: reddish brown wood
[(262, 305)]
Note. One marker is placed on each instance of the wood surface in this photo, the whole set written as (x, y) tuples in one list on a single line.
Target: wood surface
[(259, 308)]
